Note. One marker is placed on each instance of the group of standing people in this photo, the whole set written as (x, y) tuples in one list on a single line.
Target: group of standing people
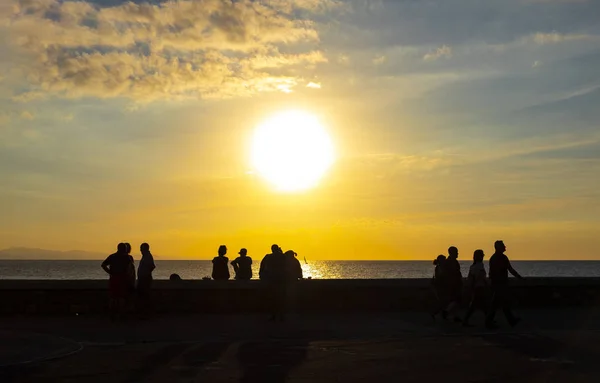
[(120, 266), (448, 286)]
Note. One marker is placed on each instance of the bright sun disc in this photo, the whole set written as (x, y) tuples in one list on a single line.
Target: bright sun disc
[(292, 151)]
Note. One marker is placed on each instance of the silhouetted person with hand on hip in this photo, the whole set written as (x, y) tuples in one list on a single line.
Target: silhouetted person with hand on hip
[(117, 266), (453, 280), (499, 268), (477, 284), (294, 268), (144, 282), (220, 270), (242, 266)]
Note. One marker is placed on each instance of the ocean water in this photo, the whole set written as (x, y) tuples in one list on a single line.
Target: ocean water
[(18, 269)]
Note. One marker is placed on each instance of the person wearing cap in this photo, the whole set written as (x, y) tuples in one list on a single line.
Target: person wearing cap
[(242, 266)]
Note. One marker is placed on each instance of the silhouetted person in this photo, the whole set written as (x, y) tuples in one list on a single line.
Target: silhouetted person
[(439, 287), (144, 274), (242, 266), (131, 269), (174, 277), (117, 267), (262, 272), (477, 284), (294, 268), (220, 270), (274, 273), (453, 279), (499, 268)]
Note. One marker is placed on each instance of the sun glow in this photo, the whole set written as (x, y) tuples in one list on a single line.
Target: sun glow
[(292, 151)]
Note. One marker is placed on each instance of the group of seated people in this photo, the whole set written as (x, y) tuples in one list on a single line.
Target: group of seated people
[(278, 265)]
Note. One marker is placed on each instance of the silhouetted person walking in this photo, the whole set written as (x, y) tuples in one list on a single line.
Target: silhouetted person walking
[(117, 266), (144, 274), (477, 284), (499, 268), (242, 266), (221, 265), (453, 279), (439, 287)]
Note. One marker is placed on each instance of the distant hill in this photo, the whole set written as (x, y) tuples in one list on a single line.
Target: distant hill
[(43, 254)]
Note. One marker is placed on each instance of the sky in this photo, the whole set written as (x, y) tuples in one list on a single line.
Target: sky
[(455, 122)]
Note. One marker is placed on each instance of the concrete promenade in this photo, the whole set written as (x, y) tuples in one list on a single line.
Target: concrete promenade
[(558, 345)]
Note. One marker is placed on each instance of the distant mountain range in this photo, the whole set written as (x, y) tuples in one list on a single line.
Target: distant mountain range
[(43, 254)]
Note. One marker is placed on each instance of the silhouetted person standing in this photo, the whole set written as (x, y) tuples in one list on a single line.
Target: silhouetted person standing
[(439, 287), (453, 279), (131, 268), (117, 267), (144, 274), (221, 265), (477, 284), (499, 268), (262, 272), (242, 266), (274, 273)]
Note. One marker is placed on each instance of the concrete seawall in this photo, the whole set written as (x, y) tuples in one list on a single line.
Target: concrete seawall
[(89, 297)]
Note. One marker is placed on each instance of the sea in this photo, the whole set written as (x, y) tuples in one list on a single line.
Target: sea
[(62, 269)]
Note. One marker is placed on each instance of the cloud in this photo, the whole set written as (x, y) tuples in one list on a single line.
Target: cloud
[(442, 52), (555, 37), (379, 60), (314, 85), (27, 115), (176, 49)]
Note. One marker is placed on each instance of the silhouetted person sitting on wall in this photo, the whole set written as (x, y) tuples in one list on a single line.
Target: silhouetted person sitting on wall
[(174, 277), (477, 284), (294, 268), (242, 266), (453, 279), (439, 287), (117, 267), (262, 272), (220, 270), (499, 268), (144, 283)]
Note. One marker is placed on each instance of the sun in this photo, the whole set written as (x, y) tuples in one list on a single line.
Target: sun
[(292, 151)]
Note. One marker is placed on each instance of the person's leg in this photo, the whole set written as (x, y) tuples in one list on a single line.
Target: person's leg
[(506, 308), (470, 311), (489, 320)]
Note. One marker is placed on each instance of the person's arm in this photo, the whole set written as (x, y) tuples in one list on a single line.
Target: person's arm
[(513, 271), (105, 265), (236, 265), (152, 264)]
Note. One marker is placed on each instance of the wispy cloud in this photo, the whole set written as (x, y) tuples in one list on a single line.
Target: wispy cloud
[(442, 52), (314, 85)]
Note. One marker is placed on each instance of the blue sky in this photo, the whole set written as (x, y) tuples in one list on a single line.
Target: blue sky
[(456, 122)]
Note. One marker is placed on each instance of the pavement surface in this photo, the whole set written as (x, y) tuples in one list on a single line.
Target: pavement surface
[(549, 345)]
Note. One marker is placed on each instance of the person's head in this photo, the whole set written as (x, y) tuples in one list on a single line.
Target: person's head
[(499, 246), (128, 246), (122, 248), (290, 253), (243, 252), (275, 248), (452, 252), (222, 250), (440, 258), (144, 248), (478, 256)]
